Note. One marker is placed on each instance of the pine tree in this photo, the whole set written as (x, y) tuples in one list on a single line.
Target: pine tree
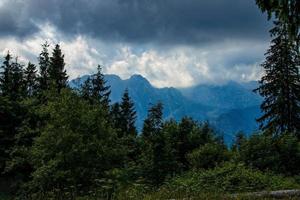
[(115, 113), (18, 84), (153, 123), (100, 91), (86, 89), (280, 86), (12, 92), (44, 63), (6, 130), (57, 73), (128, 115), (31, 79), (11, 79), (153, 156), (6, 76), (183, 145), (286, 11)]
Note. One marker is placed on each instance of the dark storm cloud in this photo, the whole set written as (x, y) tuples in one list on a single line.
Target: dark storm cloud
[(138, 21)]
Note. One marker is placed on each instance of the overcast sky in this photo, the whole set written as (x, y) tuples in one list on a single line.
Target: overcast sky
[(175, 43)]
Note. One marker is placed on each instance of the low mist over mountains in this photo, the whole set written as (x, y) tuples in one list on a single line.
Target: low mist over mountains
[(231, 107)]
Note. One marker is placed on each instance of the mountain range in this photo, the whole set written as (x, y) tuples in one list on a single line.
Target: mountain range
[(229, 108)]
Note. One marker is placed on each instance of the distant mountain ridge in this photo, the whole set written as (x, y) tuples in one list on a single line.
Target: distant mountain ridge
[(231, 107)]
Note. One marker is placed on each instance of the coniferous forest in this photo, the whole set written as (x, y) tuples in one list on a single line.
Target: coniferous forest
[(62, 143)]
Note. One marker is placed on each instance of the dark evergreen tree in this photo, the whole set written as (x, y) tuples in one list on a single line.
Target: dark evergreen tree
[(6, 130), (183, 145), (11, 114), (18, 90), (6, 78), (100, 91), (127, 115), (86, 89), (31, 79), (115, 113), (57, 73), (154, 155), (153, 123), (44, 63), (280, 86), (286, 11), (76, 150)]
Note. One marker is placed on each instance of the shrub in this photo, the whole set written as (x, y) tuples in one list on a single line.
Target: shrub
[(208, 156)]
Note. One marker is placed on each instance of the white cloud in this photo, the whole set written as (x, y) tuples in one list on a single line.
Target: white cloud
[(179, 66)]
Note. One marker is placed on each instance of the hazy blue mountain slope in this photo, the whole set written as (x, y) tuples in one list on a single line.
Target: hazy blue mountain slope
[(230, 108), (229, 96), (237, 120), (144, 95)]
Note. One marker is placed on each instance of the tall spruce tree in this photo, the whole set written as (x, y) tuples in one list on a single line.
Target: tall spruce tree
[(18, 85), (286, 11), (11, 79), (12, 92), (183, 145), (127, 115), (153, 156), (57, 73), (115, 113), (44, 63), (6, 130), (6, 75), (86, 89), (31, 79), (153, 123), (100, 91), (280, 86)]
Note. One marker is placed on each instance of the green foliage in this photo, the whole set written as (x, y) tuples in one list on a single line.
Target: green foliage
[(95, 90), (19, 164), (214, 183), (44, 63), (287, 11), (208, 156), (11, 79), (75, 149), (280, 155), (30, 76), (227, 179), (57, 73), (153, 158), (127, 115), (280, 86), (100, 91), (6, 129)]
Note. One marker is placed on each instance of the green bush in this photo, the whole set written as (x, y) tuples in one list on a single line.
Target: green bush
[(280, 155), (208, 156), (228, 179)]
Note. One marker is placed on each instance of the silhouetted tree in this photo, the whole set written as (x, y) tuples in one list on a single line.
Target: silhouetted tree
[(57, 73), (280, 86), (44, 63), (11, 79), (154, 156), (286, 11), (86, 90), (127, 115), (100, 91), (31, 79), (6, 78)]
